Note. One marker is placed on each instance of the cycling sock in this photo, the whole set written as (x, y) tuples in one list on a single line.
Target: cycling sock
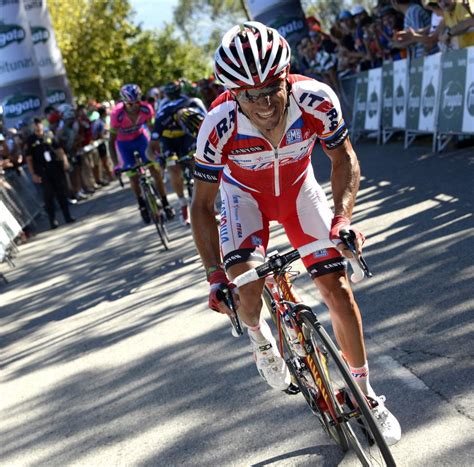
[(259, 332), (141, 202), (183, 201), (164, 200), (361, 377)]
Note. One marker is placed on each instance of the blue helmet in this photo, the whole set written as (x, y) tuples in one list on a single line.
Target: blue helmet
[(130, 93)]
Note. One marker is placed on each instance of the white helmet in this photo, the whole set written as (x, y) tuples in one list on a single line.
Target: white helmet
[(251, 55)]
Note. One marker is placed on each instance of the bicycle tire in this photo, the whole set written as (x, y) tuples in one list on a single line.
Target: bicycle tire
[(295, 363), (356, 419), (153, 210)]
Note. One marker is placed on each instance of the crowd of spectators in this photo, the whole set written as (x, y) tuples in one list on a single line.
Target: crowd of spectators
[(360, 39)]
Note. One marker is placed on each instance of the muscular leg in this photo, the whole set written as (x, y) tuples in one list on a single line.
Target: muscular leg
[(134, 185), (345, 316), (176, 177), (158, 177), (250, 295)]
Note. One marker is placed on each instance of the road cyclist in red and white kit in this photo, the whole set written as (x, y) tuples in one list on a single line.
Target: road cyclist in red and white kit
[(256, 144), (130, 123)]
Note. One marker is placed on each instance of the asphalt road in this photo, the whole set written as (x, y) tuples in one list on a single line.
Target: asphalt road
[(110, 357)]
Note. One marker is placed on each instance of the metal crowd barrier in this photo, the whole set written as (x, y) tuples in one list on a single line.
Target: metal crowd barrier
[(433, 95)]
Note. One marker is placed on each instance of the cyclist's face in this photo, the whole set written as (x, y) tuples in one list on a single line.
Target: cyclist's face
[(264, 107)]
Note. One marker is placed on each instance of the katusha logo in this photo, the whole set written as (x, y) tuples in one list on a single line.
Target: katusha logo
[(56, 96), (39, 34), (20, 104), (428, 100), (399, 99), (470, 99), (452, 98), (373, 104), (10, 33)]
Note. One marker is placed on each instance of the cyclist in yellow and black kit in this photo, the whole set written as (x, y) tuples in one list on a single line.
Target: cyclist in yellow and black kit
[(172, 140)]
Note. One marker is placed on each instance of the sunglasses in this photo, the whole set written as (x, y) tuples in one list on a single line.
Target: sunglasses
[(250, 96)]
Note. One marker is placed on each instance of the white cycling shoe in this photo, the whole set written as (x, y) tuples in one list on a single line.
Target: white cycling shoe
[(270, 365), (388, 424)]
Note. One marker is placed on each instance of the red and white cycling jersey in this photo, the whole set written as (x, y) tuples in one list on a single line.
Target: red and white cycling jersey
[(261, 183), (230, 146)]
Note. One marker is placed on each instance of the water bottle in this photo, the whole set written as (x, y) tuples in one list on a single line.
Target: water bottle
[(293, 336)]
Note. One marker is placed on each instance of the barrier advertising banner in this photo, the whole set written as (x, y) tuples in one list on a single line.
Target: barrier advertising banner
[(468, 114), (48, 56), (360, 101), (429, 93), (399, 114), (374, 100), (286, 16), (415, 77), (456, 107), (387, 97), (17, 65)]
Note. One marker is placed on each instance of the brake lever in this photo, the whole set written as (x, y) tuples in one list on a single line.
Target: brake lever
[(348, 238), (225, 294)]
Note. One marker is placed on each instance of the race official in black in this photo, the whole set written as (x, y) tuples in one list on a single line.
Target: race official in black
[(47, 162)]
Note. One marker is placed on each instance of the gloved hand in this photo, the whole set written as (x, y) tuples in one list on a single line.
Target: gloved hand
[(343, 223), (217, 279)]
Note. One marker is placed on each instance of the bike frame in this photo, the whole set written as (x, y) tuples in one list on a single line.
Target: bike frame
[(286, 299)]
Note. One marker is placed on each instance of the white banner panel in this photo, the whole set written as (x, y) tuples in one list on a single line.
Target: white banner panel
[(17, 57), (468, 117), (399, 93), (374, 100), (429, 92), (48, 55)]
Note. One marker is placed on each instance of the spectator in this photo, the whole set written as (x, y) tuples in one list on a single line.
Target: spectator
[(100, 132), (390, 23), (417, 20), (47, 162), (90, 159), (458, 23)]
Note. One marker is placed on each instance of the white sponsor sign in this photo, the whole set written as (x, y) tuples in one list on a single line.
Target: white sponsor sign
[(48, 55), (9, 228), (399, 93), (429, 92), (374, 100), (468, 116), (17, 57)]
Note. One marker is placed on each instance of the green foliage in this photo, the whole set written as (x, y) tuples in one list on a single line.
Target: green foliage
[(102, 49)]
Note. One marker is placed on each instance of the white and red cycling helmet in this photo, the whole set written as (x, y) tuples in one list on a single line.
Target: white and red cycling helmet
[(250, 55)]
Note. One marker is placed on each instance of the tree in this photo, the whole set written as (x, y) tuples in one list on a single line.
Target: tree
[(102, 49)]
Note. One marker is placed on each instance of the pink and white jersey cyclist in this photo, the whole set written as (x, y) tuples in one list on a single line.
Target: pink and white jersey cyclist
[(256, 142), (260, 182)]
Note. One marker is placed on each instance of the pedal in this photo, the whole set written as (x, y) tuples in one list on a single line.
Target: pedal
[(292, 389)]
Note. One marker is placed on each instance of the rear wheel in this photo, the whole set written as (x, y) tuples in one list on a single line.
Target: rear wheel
[(354, 415)]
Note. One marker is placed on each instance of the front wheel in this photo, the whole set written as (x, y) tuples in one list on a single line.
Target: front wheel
[(353, 412), (157, 218), (303, 377)]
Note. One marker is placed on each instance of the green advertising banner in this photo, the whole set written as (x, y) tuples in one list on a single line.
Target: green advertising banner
[(360, 100), (415, 77), (468, 114), (387, 98), (453, 83), (399, 93), (430, 93)]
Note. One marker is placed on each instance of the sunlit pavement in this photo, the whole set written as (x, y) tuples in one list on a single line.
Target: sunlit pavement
[(110, 356)]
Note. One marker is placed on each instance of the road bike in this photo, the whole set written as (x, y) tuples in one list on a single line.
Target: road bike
[(318, 369), (148, 191)]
